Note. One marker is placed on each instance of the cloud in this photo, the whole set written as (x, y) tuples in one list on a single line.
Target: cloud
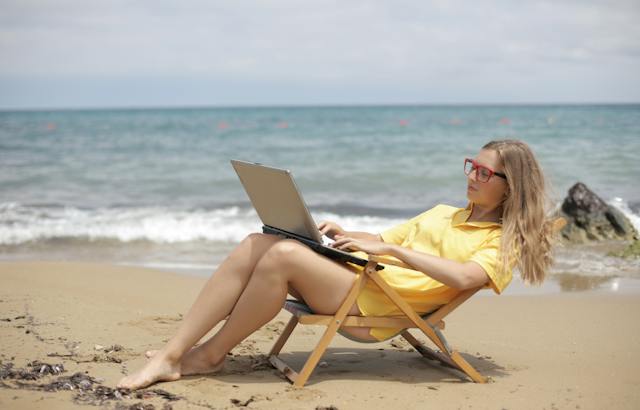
[(360, 44)]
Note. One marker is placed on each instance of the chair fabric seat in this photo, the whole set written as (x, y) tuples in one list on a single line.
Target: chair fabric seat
[(298, 308)]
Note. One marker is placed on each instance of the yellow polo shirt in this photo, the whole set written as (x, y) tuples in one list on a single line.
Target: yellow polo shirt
[(441, 231)]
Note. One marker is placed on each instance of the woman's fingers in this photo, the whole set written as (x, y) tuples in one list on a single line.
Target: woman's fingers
[(323, 227), (344, 243), (337, 243), (329, 228)]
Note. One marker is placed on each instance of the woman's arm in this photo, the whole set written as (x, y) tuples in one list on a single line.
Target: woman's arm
[(364, 236), (454, 274), (457, 275)]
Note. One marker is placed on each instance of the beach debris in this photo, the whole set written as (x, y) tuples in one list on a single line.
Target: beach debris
[(323, 364), (589, 218), (331, 407), (70, 346), (67, 355), (141, 406), (112, 354), (44, 369), (113, 348), (147, 394), (240, 403), (38, 370), (260, 362), (78, 381), (88, 390), (135, 406), (106, 358)]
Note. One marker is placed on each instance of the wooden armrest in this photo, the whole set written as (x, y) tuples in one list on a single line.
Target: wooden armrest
[(389, 261)]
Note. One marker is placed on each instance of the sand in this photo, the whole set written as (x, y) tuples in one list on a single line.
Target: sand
[(576, 350)]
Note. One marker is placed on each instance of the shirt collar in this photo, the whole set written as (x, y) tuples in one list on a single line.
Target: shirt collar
[(461, 216)]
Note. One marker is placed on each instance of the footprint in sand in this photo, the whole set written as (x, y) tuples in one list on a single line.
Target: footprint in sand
[(156, 325)]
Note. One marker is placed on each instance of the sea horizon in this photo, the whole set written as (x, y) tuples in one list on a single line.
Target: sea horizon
[(134, 107)]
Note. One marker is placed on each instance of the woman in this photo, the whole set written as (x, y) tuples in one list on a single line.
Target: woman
[(450, 249)]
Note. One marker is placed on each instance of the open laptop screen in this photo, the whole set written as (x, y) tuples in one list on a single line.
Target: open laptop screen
[(276, 198)]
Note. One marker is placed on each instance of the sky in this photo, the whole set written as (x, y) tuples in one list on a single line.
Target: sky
[(116, 53)]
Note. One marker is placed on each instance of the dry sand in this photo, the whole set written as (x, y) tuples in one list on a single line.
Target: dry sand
[(541, 351)]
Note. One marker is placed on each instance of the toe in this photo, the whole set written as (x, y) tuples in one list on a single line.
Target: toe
[(123, 383)]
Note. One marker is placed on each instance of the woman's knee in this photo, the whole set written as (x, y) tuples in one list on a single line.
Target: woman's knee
[(257, 237), (280, 255), (257, 243), (250, 250)]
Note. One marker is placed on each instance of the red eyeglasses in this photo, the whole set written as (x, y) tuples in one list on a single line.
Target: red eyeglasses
[(483, 174)]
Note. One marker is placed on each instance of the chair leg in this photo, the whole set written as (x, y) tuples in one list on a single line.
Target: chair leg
[(427, 352), (275, 361), (453, 360), (467, 368), (284, 336), (315, 356)]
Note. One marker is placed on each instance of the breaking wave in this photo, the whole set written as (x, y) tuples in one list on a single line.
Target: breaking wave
[(23, 224)]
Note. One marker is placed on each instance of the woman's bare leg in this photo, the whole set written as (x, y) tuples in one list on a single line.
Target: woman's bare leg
[(215, 301), (322, 283), (191, 363)]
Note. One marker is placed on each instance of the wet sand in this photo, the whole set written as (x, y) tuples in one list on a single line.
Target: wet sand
[(571, 350)]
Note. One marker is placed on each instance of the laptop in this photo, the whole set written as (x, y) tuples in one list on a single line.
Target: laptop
[(280, 206)]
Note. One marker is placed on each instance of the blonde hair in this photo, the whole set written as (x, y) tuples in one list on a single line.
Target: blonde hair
[(527, 233)]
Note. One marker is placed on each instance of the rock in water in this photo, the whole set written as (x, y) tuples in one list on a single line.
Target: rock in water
[(589, 218)]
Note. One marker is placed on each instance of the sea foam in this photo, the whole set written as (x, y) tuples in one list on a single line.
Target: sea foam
[(22, 224)]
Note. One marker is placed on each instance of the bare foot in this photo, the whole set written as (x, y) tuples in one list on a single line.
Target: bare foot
[(194, 362), (156, 370)]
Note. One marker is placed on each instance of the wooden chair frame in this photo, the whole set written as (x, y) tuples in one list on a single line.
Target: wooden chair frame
[(431, 326)]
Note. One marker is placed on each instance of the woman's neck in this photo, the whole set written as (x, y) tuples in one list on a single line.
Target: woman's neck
[(485, 214)]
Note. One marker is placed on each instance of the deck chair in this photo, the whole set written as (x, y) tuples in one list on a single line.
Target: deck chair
[(431, 325)]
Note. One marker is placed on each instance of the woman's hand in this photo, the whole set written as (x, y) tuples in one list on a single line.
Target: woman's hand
[(346, 243), (331, 229)]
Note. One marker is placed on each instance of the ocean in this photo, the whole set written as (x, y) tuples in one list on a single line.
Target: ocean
[(154, 187)]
